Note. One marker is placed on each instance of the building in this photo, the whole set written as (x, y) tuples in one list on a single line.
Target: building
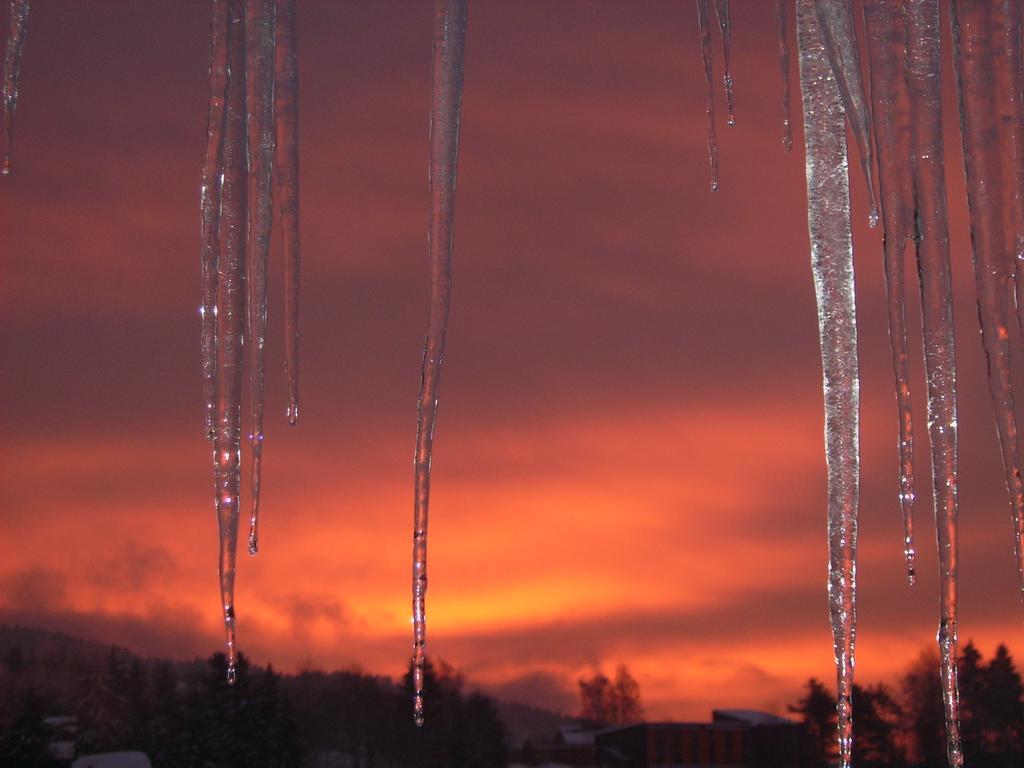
[(735, 738)]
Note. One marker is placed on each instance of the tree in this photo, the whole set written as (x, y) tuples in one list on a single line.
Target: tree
[(23, 736), (1003, 709), (611, 703), (877, 720), (926, 718), (595, 693), (817, 710)]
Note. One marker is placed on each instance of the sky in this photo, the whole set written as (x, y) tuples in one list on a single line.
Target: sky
[(628, 461)]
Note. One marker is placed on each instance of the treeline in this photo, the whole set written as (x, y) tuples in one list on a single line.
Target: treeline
[(905, 725), (186, 715)]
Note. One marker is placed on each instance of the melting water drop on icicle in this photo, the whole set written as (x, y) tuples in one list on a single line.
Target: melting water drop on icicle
[(286, 172), (993, 263), (835, 18), (230, 327), (259, 95), (725, 27), (446, 107), (923, 57), (886, 34), (703, 13), (210, 193), (787, 123), (828, 216), (12, 68)]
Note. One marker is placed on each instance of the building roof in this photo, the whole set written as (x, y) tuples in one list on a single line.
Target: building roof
[(748, 717)]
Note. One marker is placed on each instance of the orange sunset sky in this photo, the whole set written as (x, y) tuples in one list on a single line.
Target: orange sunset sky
[(628, 464)]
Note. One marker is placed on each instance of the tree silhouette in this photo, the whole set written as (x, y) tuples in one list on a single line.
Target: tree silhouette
[(610, 702), (817, 710)]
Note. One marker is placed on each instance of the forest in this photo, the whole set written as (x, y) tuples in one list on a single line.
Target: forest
[(182, 714)]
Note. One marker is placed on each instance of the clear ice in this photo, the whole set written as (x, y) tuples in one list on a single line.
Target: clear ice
[(924, 86), (835, 18), (209, 205), (828, 216), (978, 84), (782, 17), (446, 107), (725, 28), (12, 68), (286, 174), (231, 299), (259, 95), (887, 39), (704, 20)]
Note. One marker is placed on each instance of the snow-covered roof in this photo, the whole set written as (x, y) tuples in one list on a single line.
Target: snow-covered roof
[(114, 760), (576, 736), (748, 717)]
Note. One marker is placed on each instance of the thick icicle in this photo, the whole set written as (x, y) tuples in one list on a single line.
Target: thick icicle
[(835, 18), (446, 107), (725, 27), (703, 19), (12, 68), (210, 207), (1011, 85), (828, 216), (230, 327), (259, 95), (286, 172), (993, 263), (1010, 107), (924, 81), (886, 32), (787, 124)]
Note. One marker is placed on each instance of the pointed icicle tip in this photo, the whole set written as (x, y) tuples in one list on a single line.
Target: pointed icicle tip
[(232, 675)]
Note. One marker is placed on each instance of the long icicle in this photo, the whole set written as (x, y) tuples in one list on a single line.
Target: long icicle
[(886, 33), (1009, 13), (231, 327), (704, 21), (787, 124), (12, 68), (828, 216), (725, 27), (993, 262), (210, 207), (924, 81), (446, 108), (259, 95), (835, 18), (1010, 108), (286, 173)]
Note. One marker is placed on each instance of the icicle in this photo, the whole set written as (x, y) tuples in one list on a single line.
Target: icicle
[(722, 11), (924, 83), (993, 264), (230, 326), (12, 68), (286, 171), (835, 18), (703, 13), (828, 215), (1010, 108), (448, 49), (886, 34), (210, 206), (1008, 15), (259, 95), (787, 125)]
